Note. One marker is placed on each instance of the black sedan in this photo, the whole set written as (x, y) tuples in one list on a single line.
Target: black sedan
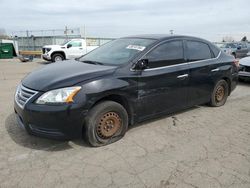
[(123, 82)]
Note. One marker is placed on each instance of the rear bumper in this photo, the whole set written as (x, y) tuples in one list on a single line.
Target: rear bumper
[(57, 122)]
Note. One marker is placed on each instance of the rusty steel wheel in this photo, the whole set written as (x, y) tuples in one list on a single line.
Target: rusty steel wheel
[(220, 93), (105, 123), (108, 125)]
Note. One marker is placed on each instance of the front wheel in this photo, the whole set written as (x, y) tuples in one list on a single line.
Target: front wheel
[(105, 123), (220, 94), (57, 57)]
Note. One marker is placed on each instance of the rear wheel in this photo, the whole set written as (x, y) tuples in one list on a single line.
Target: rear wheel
[(220, 94), (57, 57), (106, 123)]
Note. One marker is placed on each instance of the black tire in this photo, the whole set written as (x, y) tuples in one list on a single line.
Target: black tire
[(220, 94), (57, 57), (96, 123)]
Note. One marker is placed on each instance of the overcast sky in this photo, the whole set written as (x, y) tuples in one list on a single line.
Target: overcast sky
[(210, 19)]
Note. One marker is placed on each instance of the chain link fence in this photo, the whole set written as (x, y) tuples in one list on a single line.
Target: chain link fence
[(34, 40)]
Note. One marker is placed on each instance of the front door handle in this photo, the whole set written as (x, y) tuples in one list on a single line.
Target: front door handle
[(215, 70), (183, 76)]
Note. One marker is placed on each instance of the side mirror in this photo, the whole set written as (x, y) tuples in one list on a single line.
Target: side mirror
[(69, 45), (141, 64)]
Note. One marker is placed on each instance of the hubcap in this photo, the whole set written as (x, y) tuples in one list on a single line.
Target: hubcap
[(220, 93), (108, 125), (58, 58)]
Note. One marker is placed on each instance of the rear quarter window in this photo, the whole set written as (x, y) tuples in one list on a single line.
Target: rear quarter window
[(215, 50)]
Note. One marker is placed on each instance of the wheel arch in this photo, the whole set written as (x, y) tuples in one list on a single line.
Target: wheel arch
[(59, 52), (229, 84), (122, 100)]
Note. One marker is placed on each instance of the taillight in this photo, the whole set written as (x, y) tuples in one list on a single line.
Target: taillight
[(237, 63)]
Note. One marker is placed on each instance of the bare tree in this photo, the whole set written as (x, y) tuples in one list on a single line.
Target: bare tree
[(3, 34), (228, 39)]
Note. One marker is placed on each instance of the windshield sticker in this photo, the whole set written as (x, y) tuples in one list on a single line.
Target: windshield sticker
[(136, 47)]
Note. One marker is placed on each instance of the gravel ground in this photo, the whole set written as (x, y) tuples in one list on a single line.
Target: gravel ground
[(199, 147)]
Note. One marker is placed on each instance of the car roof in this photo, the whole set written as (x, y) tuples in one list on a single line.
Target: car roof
[(162, 36)]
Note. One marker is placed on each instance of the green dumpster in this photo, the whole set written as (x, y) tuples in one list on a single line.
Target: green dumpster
[(6, 50)]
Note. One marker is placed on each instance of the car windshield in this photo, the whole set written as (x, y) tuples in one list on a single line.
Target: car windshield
[(117, 52), (65, 42)]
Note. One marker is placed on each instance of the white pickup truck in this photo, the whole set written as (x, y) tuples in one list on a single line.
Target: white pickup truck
[(69, 50)]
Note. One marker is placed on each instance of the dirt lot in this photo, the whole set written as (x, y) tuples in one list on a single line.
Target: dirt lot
[(200, 147)]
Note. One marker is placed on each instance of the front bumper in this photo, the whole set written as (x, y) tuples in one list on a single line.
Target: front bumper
[(244, 74), (57, 122), (46, 57)]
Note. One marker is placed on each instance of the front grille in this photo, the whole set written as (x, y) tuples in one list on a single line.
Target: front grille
[(23, 95), (246, 69)]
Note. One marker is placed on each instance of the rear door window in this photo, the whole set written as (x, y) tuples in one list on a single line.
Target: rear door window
[(197, 51)]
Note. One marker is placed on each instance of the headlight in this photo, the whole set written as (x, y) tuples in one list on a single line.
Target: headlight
[(47, 50), (58, 96), (241, 67)]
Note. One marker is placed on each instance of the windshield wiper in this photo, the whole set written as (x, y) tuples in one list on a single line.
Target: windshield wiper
[(92, 62)]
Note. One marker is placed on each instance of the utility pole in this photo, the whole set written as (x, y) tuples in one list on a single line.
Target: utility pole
[(66, 32), (27, 39), (85, 37)]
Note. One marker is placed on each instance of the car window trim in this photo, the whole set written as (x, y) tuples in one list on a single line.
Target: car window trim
[(186, 63), (168, 66)]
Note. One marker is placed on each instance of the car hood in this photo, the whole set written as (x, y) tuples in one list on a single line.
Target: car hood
[(245, 61), (64, 74), (52, 46)]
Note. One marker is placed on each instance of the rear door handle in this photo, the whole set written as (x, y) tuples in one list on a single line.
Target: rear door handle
[(183, 76), (215, 70)]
